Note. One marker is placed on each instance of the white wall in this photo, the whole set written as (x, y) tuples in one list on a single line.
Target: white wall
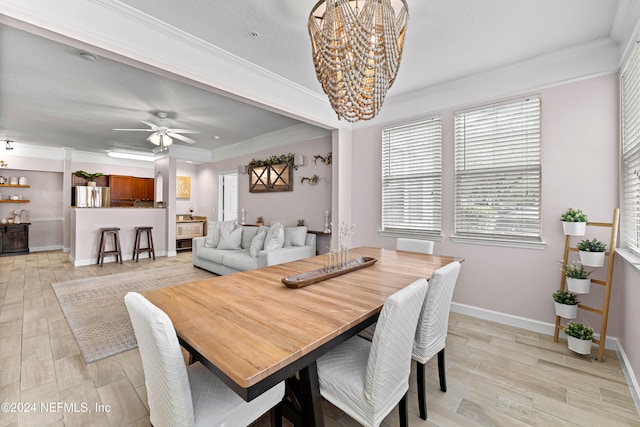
[(579, 169), (308, 202)]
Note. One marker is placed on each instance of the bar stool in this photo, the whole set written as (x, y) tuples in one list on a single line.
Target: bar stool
[(137, 249), (104, 235)]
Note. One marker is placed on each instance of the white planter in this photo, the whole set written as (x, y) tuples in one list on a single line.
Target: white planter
[(566, 311), (592, 259), (574, 228), (91, 183), (579, 346), (578, 286)]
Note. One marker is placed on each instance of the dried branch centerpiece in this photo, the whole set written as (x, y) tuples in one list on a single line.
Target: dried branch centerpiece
[(337, 262)]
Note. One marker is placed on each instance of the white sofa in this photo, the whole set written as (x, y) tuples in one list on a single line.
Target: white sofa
[(210, 254)]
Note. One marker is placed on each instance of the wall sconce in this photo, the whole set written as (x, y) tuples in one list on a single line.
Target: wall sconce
[(301, 160), (242, 169)]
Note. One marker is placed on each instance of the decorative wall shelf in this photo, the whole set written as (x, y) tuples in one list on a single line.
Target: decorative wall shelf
[(15, 201), (15, 186)]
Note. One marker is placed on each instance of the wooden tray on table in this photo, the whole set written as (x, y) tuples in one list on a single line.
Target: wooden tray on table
[(315, 276)]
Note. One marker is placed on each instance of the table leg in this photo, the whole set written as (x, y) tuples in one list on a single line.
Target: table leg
[(310, 398)]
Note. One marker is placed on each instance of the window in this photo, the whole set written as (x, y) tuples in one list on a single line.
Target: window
[(631, 153), (497, 171), (412, 177)]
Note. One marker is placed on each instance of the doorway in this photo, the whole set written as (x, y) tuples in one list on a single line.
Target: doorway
[(228, 196)]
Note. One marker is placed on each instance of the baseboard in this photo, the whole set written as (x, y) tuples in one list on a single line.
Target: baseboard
[(630, 375), (92, 261), (545, 328), (45, 248)]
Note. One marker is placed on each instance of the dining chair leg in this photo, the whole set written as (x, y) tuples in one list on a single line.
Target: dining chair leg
[(422, 396), (404, 413), (441, 371), (276, 415)]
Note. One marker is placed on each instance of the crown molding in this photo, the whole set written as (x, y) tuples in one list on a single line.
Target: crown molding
[(587, 60), (280, 138)]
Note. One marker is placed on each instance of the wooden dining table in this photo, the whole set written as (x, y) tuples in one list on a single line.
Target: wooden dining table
[(253, 332)]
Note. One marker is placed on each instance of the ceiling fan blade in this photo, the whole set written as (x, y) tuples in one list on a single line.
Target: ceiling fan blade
[(184, 130), (137, 130), (153, 126), (181, 137)]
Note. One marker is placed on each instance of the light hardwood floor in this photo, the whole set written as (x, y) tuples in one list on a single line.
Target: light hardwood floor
[(496, 375)]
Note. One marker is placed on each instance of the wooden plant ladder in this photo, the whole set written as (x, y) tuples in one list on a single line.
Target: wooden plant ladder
[(604, 312)]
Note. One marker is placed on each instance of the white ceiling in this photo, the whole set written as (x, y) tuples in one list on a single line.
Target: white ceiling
[(49, 96)]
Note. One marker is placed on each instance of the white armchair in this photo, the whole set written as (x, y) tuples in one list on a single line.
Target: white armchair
[(432, 328), (368, 379), (187, 396)]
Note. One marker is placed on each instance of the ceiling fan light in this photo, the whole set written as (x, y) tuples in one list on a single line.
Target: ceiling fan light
[(160, 139)]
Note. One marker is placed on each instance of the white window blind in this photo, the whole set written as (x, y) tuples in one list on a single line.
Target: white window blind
[(631, 153), (412, 177), (498, 173)]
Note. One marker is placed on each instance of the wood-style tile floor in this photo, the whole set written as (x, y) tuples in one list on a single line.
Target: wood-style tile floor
[(496, 375)]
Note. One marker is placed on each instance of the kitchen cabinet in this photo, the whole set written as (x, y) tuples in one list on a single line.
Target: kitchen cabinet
[(78, 181), (143, 189), (121, 188), (14, 239), (127, 189)]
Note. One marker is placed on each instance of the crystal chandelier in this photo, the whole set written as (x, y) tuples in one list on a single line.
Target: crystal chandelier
[(357, 46)]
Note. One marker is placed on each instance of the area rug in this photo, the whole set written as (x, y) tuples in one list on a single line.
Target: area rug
[(95, 311)]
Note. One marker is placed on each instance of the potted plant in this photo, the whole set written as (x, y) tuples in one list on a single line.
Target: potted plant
[(579, 337), (259, 221), (90, 177), (592, 252), (577, 278), (574, 222), (566, 304)]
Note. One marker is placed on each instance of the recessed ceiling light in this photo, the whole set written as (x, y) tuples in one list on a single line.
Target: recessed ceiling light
[(87, 56), (216, 136)]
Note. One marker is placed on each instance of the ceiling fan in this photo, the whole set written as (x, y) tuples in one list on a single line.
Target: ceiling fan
[(162, 135)]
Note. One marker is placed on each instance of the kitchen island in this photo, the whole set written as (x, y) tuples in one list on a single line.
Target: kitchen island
[(85, 225)]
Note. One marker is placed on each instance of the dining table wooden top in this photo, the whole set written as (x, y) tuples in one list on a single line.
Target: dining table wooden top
[(249, 326)]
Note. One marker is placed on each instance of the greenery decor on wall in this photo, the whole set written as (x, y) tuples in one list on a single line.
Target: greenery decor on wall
[(274, 160), (312, 181), (325, 160)]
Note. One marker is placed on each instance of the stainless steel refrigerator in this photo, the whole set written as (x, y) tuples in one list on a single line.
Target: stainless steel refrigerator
[(91, 197)]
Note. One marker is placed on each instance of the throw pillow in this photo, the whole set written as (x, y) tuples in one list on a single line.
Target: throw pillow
[(295, 236), (257, 243), (213, 235), (275, 237), (230, 239)]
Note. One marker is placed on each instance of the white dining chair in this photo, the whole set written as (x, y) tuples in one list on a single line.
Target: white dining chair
[(431, 332), (188, 396), (367, 379), (409, 245), (415, 245)]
